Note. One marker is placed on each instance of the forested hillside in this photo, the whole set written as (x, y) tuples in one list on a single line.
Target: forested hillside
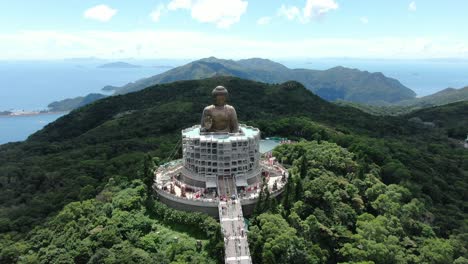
[(364, 188), (332, 84)]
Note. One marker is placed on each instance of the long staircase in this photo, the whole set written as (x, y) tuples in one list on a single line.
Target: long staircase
[(236, 246)]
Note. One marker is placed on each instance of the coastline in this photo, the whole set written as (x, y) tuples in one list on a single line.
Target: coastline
[(20, 114)]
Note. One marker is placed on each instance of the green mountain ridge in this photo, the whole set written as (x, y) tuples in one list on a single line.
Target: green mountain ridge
[(73, 103), (446, 96), (363, 187), (370, 92), (332, 84)]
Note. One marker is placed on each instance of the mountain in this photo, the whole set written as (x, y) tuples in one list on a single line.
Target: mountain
[(272, 96), (73, 103), (453, 118), (332, 84), (446, 96), (363, 188), (118, 65)]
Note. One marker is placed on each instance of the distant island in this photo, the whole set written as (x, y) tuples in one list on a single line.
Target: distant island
[(118, 65)]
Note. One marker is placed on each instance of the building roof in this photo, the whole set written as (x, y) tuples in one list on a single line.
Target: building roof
[(248, 132)]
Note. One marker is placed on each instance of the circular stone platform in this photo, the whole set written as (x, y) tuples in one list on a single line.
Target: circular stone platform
[(216, 166), (183, 196)]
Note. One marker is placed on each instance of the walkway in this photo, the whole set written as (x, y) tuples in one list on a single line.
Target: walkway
[(236, 246)]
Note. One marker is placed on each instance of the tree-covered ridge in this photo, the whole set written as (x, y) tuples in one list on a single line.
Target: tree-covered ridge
[(73, 103), (332, 84), (121, 225), (336, 209), (452, 118), (120, 137), (446, 96)]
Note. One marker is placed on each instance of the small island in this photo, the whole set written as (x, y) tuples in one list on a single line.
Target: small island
[(118, 65)]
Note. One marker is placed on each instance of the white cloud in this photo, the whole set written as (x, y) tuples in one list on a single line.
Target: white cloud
[(173, 44), (179, 4), (318, 8), (101, 13), (412, 6), (223, 13), (364, 20), (264, 20), (313, 9), (156, 14), (289, 12)]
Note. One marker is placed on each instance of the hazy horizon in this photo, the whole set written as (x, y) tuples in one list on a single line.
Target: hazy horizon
[(186, 29)]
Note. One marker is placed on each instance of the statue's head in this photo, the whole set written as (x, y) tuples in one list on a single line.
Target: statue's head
[(220, 95)]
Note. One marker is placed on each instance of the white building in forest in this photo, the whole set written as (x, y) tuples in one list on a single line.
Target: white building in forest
[(206, 156)]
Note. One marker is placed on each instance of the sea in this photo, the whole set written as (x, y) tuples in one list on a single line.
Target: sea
[(32, 85)]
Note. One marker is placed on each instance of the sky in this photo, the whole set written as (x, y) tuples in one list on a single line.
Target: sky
[(192, 29)]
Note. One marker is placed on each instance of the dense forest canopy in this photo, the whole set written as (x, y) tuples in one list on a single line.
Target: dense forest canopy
[(363, 187)]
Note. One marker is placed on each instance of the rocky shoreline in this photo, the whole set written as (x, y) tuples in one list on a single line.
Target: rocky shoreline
[(28, 113)]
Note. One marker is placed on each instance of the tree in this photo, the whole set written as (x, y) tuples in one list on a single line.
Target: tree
[(288, 196), (148, 173), (304, 167)]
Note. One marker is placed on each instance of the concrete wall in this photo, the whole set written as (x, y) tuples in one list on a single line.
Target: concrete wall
[(210, 208)]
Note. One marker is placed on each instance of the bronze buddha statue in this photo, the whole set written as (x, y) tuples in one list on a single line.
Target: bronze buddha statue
[(219, 117)]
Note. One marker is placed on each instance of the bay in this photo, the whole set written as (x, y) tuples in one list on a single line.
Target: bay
[(18, 128)]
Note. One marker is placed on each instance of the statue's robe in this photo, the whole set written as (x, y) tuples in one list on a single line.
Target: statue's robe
[(223, 119)]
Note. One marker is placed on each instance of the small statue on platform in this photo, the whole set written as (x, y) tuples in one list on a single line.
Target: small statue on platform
[(220, 117)]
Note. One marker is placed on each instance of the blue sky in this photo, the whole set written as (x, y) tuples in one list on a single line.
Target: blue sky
[(233, 29)]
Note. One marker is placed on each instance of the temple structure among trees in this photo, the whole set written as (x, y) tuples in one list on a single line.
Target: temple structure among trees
[(221, 173)]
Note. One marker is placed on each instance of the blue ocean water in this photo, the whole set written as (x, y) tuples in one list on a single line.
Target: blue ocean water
[(18, 128), (33, 85)]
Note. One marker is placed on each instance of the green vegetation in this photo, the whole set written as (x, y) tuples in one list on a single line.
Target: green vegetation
[(332, 84), (370, 92), (446, 96), (117, 227), (347, 210), (452, 118), (382, 110), (362, 175), (73, 103)]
